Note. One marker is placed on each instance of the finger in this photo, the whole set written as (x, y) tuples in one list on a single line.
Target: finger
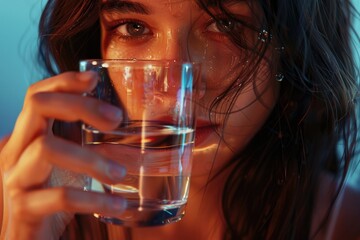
[(72, 82), (34, 229), (33, 205), (35, 164), (70, 107), (34, 119), (25, 131)]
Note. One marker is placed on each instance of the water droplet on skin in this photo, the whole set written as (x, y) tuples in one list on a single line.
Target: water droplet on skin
[(170, 6), (279, 77), (169, 34), (234, 61), (264, 36), (149, 54)]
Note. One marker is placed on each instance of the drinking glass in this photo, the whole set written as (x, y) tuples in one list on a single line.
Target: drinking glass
[(154, 141)]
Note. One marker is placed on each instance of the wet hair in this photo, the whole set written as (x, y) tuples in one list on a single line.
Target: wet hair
[(68, 31), (271, 190)]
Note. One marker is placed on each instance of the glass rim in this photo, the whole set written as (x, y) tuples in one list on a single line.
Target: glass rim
[(96, 61)]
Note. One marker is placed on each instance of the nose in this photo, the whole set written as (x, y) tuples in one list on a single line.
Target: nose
[(175, 45)]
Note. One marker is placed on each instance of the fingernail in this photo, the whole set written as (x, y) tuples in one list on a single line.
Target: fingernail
[(116, 171), (87, 76), (118, 204), (110, 112)]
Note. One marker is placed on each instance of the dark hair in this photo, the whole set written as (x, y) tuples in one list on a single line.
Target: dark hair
[(270, 192), (271, 189), (68, 31)]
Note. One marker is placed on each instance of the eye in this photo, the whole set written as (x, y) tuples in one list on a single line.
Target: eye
[(132, 29), (221, 26)]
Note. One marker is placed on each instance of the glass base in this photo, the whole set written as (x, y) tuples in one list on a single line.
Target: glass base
[(146, 217)]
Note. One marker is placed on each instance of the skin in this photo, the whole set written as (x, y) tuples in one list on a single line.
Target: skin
[(30, 154), (170, 26)]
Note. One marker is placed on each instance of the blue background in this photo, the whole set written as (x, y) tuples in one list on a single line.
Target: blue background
[(18, 27), (18, 68)]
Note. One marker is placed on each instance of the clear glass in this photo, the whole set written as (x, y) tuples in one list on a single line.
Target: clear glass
[(154, 142)]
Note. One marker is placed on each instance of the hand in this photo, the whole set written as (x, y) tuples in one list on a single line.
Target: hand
[(32, 209)]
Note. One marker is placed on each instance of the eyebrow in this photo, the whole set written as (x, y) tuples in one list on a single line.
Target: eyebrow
[(124, 7)]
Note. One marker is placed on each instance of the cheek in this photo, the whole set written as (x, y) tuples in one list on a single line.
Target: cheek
[(116, 50), (247, 117), (249, 112), (220, 63), (240, 115)]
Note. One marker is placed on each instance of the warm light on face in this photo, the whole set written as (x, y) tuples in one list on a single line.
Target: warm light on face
[(157, 29)]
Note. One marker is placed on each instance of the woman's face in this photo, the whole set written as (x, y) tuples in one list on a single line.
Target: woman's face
[(181, 30)]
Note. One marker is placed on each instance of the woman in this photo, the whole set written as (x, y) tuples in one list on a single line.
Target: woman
[(280, 93)]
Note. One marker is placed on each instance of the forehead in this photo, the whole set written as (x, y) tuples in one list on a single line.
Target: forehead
[(150, 2), (144, 6), (158, 3), (176, 7)]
